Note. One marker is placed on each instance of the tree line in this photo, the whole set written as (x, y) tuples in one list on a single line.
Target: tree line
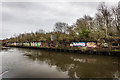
[(104, 25)]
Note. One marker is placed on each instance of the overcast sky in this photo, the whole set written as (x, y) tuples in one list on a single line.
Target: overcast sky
[(21, 17)]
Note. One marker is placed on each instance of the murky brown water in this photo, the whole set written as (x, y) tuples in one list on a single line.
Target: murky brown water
[(31, 63)]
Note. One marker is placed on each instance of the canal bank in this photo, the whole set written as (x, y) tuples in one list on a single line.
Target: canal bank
[(76, 50)]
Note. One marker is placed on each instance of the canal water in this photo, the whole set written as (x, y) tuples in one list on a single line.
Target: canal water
[(34, 63)]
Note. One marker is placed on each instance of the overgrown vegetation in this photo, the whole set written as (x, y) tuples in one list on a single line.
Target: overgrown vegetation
[(103, 26)]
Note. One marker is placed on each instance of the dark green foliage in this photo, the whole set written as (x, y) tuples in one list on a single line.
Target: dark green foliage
[(84, 33)]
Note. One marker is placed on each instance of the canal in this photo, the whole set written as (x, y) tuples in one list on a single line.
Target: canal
[(34, 63)]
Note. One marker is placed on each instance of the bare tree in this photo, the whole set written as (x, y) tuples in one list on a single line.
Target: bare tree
[(106, 15), (40, 31), (118, 16), (85, 22), (61, 27)]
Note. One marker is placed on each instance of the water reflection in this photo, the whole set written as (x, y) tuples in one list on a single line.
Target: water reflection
[(63, 64), (78, 65)]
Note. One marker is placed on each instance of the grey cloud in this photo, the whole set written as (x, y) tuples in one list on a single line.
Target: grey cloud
[(19, 17)]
